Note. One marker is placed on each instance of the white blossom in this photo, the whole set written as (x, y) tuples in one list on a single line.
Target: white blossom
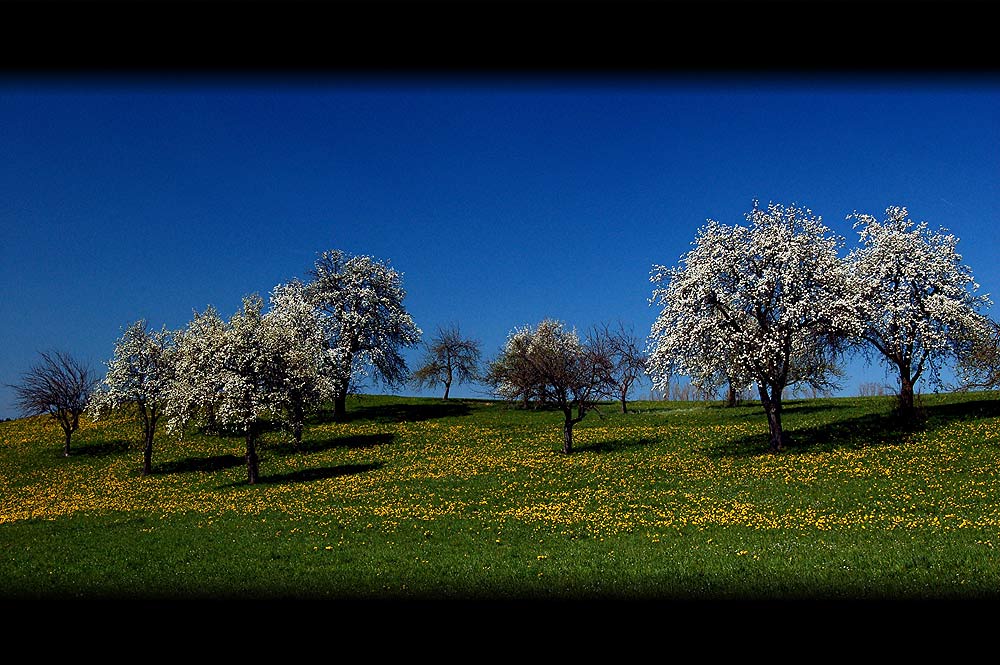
[(759, 304), (915, 296), (361, 299)]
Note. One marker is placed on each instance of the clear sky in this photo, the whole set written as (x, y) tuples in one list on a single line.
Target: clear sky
[(502, 199)]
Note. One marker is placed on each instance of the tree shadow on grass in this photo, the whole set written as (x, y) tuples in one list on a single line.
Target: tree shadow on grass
[(877, 429), (612, 446), (98, 449), (352, 442), (215, 463), (397, 413), (308, 475)]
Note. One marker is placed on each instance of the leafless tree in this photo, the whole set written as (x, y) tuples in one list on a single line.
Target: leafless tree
[(449, 358), (625, 351), (60, 385)]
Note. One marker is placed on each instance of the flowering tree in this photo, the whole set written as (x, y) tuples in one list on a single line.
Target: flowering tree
[(197, 383), (237, 372), (366, 322), (60, 386), (449, 358), (140, 373), (551, 364), (915, 296), (761, 304), (308, 373)]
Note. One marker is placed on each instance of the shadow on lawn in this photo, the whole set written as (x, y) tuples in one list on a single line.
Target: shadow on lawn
[(216, 463), (306, 475), (98, 449), (611, 446), (877, 429), (353, 442), (397, 413)]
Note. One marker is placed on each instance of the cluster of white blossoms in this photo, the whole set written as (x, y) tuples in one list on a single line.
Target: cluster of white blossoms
[(750, 304), (140, 372), (541, 362), (308, 347), (257, 362), (915, 297), (361, 300), (773, 304)]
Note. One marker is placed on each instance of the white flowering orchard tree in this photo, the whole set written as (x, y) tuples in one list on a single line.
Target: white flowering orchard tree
[(366, 321), (308, 372), (140, 374), (197, 383), (235, 373), (760, 304), (550, 364), (916, 297)]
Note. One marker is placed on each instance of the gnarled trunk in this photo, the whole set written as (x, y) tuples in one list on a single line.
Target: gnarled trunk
[(772, 407), (906, 408), (731, 396), (147, 452), (568, 435), (69, 433), (149, 431), (298, 420), (251, 455)]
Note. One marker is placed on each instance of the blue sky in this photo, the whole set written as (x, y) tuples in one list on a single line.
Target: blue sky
[(502, 199)]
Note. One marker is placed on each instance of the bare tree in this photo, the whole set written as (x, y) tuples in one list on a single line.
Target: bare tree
[(449, 358), (551, 364), (60, 385), (624, 350)]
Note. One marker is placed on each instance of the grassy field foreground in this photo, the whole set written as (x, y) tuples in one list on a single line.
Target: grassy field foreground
[(424, 499)]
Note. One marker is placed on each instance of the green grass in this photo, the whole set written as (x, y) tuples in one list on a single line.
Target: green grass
[(423, 499)]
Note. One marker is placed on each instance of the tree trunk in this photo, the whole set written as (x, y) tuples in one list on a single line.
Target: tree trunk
[(906, 395), (731, 395), (147, 453), (252, 461), (772, 407), (624, 394), (340, 408), (447, 389), (68, 432), (568, 436), (298, 421)]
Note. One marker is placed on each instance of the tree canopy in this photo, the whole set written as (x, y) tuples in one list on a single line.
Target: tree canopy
[(549, 363), (60, 386), (140, 373), (915, 297), (762, 304), (366, 321), (449, 358)]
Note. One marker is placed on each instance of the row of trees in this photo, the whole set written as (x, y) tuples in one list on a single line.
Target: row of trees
[(307, 347), (770, 306)]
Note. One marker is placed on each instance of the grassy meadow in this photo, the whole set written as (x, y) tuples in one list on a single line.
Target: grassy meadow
[(415, 498)]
